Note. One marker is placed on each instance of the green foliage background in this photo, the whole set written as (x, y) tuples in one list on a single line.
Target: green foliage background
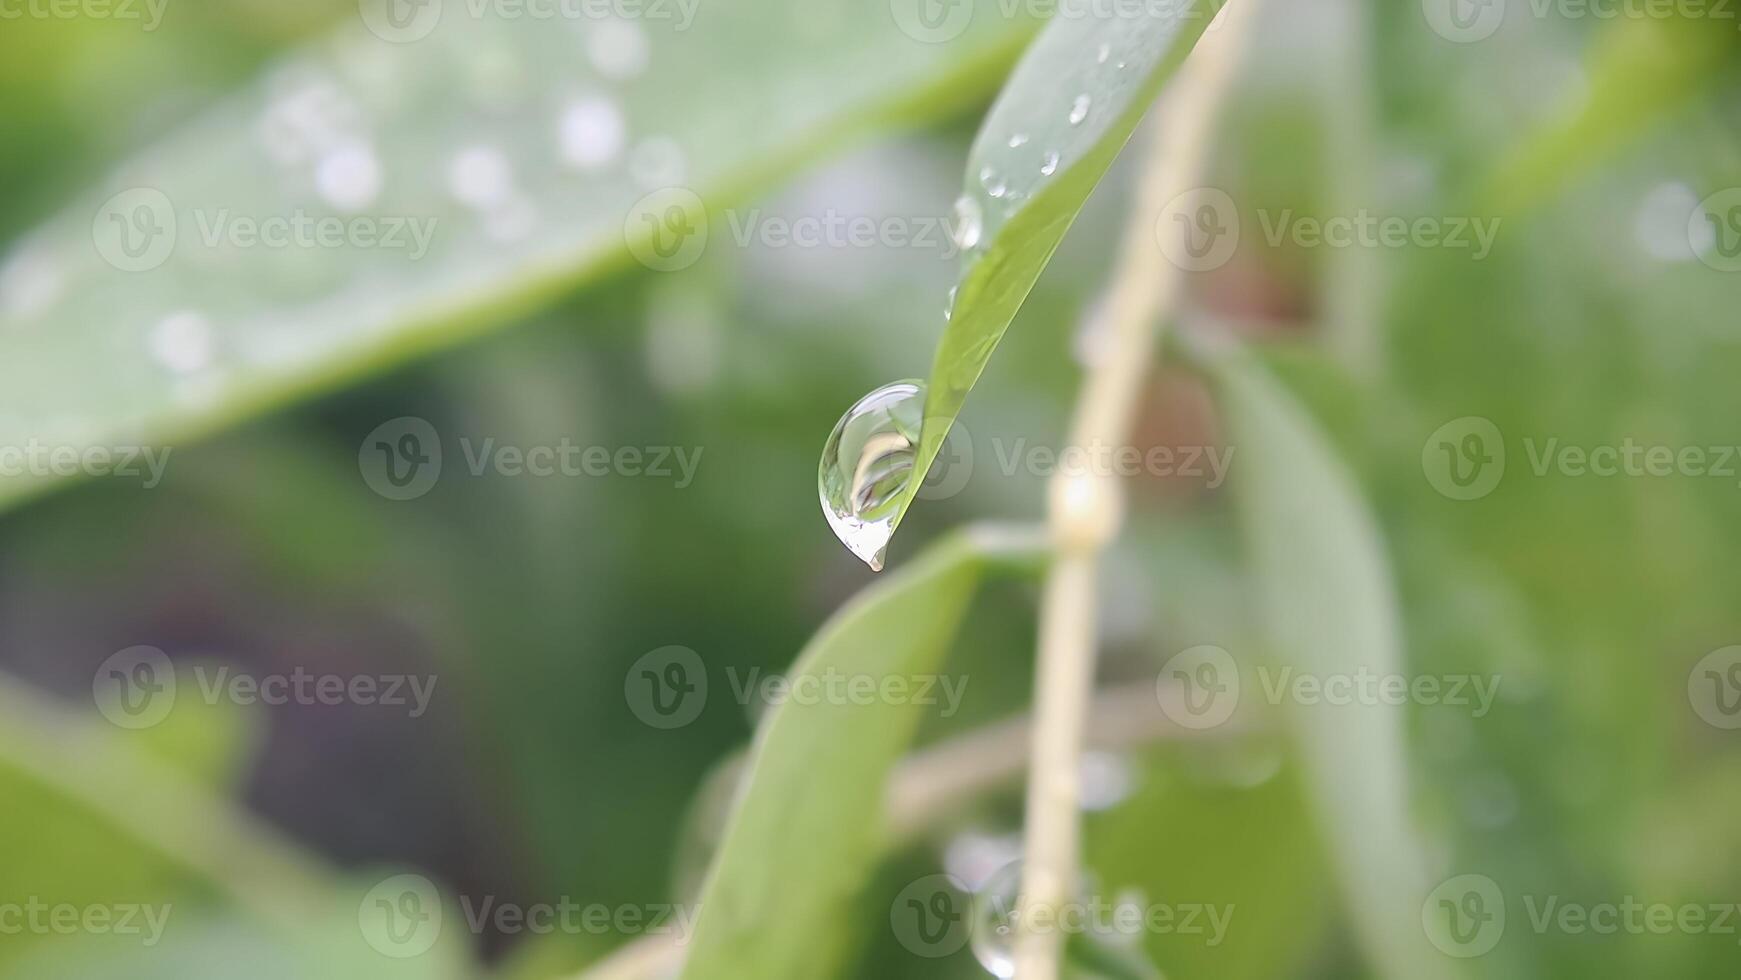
[(531, 778)]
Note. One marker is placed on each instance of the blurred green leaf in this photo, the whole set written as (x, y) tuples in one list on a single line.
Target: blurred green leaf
[(807, 831), (460, 177), (1329, 609), (1062, 119), (96, 815)]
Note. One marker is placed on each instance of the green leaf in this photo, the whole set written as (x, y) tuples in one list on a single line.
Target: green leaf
[(1070, 106), (568, 169), (806, 835), (1329, 607)]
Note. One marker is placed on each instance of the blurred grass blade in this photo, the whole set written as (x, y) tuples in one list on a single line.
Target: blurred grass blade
[(411, 183), (1330, 610), (806, 832), (1068, 109)]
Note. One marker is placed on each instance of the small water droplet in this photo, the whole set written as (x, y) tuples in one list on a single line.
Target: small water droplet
[(349, 177), (1018, 139), (617, 49), (1049, 164), (592, 132), (1079, 110), (480, 177), (994, 185), (866, 464), (949, 305), (969, 223), (1105, 53), (182, 342)]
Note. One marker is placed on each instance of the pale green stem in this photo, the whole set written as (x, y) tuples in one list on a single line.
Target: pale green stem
[(1086, 509)]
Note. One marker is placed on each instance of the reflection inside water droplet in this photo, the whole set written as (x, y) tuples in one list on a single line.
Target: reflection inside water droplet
[(866, 464)]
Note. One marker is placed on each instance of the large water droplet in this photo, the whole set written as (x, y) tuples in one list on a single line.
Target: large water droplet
[(1049, 165), (969, 223), (1079, 110), (866, 464)]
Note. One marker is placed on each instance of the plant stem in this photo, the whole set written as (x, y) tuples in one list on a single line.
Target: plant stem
[(1086, 510)]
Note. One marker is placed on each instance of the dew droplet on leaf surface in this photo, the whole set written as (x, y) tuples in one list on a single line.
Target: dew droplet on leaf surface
[(866, 465), (1079, 110), (969, 223)]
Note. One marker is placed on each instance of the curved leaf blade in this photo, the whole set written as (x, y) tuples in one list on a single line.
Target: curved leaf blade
[(805, 836), (371, 199), (1330, 608), (1069, 108)]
